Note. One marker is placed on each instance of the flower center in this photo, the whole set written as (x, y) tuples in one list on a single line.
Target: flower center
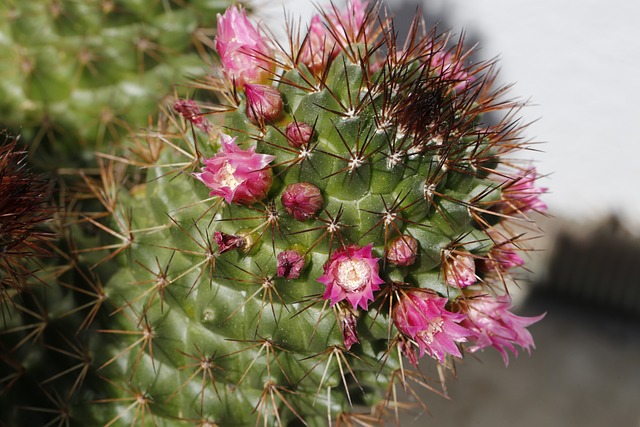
[(434, 328), (227, 179), (353, 274)]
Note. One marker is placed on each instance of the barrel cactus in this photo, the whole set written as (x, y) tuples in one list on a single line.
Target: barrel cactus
[(328, 213)]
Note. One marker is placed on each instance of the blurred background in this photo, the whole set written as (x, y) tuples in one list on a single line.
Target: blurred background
[(577, 63)]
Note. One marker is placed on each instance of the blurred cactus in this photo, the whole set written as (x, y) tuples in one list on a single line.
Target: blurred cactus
[(77, 75)]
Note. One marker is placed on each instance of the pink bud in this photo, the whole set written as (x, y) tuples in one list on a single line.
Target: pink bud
[(302, 200), (348, 323), (244, 53), (227, 242), (402, 251), (459, 270), (264, 103), (239, 176), (290, 264), (298, 134), (520, 193), (188, 109)]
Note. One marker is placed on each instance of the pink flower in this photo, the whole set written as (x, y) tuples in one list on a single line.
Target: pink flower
[(349, 25), (264, 103), (290, 264), (352, 274), (318, 47), (503, 255), (492, 324), (239, 176), (520, 194), (451, 69), (243, 51), (421, 316), (227, 242), (402, 251), (459, 270), (302, 200), (298, 134), (188, 109)]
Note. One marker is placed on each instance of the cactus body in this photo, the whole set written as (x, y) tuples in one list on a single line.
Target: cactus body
[(296, 247), (79, 75)]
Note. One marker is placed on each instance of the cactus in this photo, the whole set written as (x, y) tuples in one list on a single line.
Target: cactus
[(77, 75), (287, 252)]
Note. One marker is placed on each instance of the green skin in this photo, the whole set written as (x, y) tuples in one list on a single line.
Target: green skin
[(77, 76), (188, 336)]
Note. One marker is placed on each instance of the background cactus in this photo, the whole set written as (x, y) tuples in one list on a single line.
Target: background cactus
[(77, 75), (285, 255)]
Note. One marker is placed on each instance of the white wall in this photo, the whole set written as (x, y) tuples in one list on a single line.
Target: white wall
[(578, 61)]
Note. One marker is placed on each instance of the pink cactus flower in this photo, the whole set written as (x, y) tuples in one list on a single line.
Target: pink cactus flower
[(503, 255), (238, 176), (520, 194), (459, 270), (264, 103), (492, 324), (352, 274), (349, 25), (318, 47), (188, 109), (302, 200), (421, 316), (290, 264), (243, 51), (452, 70), (402, 251), (227, 242), (298, 134)]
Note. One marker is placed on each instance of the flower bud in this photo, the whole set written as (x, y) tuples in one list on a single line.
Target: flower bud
[(227, 242), (402, 251), (290, 264), (188, 109), (298, 134), (459, 270), (302, 200), (264, 103)]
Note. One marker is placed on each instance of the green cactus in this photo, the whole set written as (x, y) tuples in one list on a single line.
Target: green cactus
[(78, 75), (285, 255)]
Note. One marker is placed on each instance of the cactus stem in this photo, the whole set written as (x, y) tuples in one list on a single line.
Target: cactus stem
[(204, 365)]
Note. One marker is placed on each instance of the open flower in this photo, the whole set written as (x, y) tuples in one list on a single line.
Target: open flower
[(492, 324), (421, 316), (239, 176), (243, 51), (352, 274)]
